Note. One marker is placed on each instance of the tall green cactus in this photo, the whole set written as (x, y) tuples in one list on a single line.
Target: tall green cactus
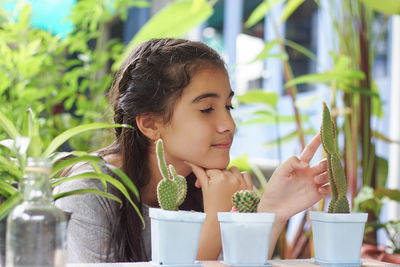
[(337, 177), (171, 190), (245, 201)]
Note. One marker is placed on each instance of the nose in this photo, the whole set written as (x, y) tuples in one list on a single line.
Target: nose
[(225, 123)]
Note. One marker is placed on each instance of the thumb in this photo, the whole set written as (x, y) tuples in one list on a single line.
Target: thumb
[(292, 164), (200, 173)]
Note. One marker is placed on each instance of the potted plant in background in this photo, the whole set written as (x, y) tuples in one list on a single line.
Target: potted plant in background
[(372, 200), (28, 146), (245, 234), (337, 234), (175, 234)]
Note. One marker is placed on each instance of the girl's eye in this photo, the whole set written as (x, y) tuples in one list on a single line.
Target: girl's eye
[(208, 110), (229, 107)]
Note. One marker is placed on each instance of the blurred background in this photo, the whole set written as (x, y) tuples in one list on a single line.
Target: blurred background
[(284, 57)]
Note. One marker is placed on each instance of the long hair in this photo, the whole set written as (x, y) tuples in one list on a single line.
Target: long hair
[(150, 81)]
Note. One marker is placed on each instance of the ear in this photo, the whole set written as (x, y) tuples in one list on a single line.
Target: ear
[(149, 125)]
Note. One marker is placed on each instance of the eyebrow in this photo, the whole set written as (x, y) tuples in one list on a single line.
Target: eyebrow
[(208, 95)]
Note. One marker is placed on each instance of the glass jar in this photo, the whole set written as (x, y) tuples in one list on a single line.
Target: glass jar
[(36, 229)]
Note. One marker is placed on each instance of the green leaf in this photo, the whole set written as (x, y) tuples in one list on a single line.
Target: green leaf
[(87, 191), (385, 6), (8, 126), (63, 137), (9, 189), (10, 167), (125, 179), (270, 119), (301, 49), (64, 163), (326, 77), (382, 169), (260, 11), (9, 204), (173, 21), (36, 144), (306, 102), (365, 193), (376, 102), (259, 96), (383, 137), (290, 7), (265, 51), (242, 163), (392, 194), (98, 192), (24, 16), (289, 137)]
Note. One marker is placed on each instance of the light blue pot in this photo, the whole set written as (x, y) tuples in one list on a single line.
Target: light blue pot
[(175, 236), (338, 237), (245, 237)]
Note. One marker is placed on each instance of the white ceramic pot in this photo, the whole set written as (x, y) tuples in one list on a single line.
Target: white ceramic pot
[(338, 237), (175, 236), (245, 237)]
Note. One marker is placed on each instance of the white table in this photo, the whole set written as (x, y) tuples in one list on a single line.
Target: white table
[(274, 263)]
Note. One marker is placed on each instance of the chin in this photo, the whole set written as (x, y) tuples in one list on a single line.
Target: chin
[(217, 164)]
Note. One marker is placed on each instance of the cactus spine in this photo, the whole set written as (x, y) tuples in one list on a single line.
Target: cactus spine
[(171, 190), (246, 200), (337, 177)]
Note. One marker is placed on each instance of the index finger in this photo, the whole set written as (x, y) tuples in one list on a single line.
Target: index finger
[(310, 149), (200, 173)]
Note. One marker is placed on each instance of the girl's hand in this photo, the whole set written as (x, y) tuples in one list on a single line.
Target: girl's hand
[(218, 186), (295, 186)]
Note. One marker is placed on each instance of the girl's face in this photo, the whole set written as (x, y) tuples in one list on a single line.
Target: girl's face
[(201, 129)]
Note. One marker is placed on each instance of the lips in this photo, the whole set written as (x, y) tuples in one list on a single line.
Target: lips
[(225, 145)]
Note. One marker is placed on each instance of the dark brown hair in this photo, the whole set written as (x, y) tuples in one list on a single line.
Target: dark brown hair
[(150, 81)]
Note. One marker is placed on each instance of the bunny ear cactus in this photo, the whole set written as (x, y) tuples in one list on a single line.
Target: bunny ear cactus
[(245, 201), (337, 177), (171, 190)]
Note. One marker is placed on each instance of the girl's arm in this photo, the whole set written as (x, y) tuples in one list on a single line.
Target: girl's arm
[(218, 186)]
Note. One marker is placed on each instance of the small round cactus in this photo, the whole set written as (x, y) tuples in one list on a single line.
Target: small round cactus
[(245, 201), (171, 190)]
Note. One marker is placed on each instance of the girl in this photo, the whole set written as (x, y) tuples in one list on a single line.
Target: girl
[(177, 90)]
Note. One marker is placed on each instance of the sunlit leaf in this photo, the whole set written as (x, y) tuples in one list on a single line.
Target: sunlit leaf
[(260, 11), (8, 126), (125, 179), (87, 191), (173, 21), (289, 137), (385, 6), (259, 96), (383, 137), (268, 119), (265, 52), (301, 49), (9, 204), (242, 163), (63, 137), (290, 7), (306, 102), (73, 160), (6, 187), (376, 103)]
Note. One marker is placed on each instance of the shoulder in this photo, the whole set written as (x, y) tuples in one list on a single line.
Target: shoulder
[(86, 203)]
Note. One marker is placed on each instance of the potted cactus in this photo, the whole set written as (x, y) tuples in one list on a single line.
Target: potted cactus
[(175, 234), (337, 234), (246, 233)]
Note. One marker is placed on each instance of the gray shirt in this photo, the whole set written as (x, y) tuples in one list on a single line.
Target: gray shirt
[(89, 229)]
